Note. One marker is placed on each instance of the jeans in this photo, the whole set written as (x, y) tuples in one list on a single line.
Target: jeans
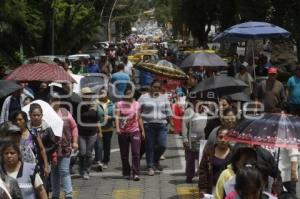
[(98, 149), (86, 146), (190, 158), (156, 142), (61, 175), (134, 140), (106, 146)]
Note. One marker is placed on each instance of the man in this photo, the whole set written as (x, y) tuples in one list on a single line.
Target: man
[(294, 92), (245, 77), (120, 80), (12, 104), (271, 92), (92, 66), (128, 67)]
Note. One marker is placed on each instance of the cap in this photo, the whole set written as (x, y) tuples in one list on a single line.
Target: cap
[(86, 90), (272, 70), (8, 128)]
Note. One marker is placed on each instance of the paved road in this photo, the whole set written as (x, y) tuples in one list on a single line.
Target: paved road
[(169, 184)]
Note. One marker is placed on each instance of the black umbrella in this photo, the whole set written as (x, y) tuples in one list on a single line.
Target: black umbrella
[(203, 59), (273, 130), (7, 87), (220, 85), (240, 97)]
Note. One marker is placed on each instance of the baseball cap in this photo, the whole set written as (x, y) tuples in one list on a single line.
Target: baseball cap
[(272, 70)]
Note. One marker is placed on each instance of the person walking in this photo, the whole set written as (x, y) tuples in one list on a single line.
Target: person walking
[(69, 141), (193, 125), (29, 181), (156, 113), (129, 127), (88, 128), (271, 92), (293, 85), (107, 127)]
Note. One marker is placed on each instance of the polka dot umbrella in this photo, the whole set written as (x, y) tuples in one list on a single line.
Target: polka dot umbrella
[(270, 130)]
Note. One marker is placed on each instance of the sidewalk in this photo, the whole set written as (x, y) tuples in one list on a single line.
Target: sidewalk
[(169, 184)]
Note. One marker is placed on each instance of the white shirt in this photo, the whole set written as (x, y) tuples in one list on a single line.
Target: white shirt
[(128, 68)]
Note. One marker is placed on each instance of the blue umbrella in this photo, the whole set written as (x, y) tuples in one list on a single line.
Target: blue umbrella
[(252, 31)]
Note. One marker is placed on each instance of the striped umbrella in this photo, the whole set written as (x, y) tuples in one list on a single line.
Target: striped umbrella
[(40, 72)]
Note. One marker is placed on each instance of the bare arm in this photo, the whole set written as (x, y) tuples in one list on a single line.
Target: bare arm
[(117, 120), (43, 155), (41, 192)]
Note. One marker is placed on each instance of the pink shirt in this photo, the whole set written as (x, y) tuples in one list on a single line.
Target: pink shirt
[(129, 119), (72, 123)]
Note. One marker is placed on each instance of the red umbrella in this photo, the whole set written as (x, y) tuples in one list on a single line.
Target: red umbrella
[(40, 72)]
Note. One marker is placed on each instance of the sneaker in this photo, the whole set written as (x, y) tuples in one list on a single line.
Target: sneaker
[(136, 178), (99, 166), (151, 172), (86, 176), (105, 166), (162, 157)]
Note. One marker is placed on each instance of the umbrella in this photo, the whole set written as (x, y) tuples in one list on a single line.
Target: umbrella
[(220, 85), (7, 87), (203, 59), (163, 68), (49, 115), (272, 130), (40, 72), (240, 97), (251, 30)]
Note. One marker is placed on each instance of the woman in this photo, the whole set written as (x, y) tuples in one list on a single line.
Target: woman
[(107, 125), (31, 146), (29, 180), (213, 162), (156, 113), (225, 102), (69, 141), (240, 157), (130, 129), (38, 127), (249, 185), (193, 125), (229, 120)]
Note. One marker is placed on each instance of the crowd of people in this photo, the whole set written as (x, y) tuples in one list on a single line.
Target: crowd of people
[(35, 162)]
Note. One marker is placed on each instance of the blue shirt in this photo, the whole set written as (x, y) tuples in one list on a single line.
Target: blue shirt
[(146, 78), (93, 68), (120, 81), (294, 90)]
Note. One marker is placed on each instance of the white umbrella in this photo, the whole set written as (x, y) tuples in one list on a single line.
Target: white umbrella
[(49, 116)]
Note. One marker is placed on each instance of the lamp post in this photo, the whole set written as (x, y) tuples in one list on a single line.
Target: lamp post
[(109, 20)]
